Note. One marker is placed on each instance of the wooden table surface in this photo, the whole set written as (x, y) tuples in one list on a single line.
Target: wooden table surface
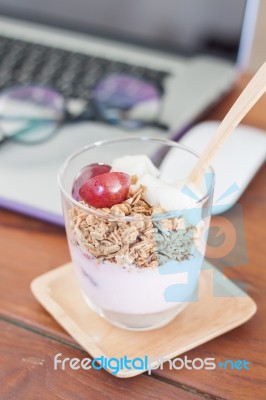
[(30, 338)]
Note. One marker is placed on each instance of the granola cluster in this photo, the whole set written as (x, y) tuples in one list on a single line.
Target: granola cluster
[(142, 241)]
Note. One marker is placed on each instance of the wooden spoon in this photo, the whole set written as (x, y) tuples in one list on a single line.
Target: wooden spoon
[(250, 95)]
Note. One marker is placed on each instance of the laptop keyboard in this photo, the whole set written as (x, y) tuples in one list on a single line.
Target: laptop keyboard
[(72, 74)]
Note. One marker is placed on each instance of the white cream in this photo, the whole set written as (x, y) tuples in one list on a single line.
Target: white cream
[(169, 196), (138, 165)]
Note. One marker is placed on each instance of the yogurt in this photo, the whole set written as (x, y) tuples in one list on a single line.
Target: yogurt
[(127, 288)]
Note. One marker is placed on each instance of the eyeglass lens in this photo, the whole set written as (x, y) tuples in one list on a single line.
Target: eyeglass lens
[(30, 113), (126, 100)]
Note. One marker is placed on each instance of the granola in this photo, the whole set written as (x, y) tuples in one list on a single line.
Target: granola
[(145, 242)]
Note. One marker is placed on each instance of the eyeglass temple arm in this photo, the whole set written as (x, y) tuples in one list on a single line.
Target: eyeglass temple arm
[(28, 119)]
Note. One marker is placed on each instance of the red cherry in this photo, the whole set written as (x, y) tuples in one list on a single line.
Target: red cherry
[(85, 174), (106, 190)]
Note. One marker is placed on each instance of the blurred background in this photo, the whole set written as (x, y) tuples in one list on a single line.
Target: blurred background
[(258, 49), (172, 25), (216, 30)]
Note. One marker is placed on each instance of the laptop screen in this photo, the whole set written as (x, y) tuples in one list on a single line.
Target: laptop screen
[(179, 26)]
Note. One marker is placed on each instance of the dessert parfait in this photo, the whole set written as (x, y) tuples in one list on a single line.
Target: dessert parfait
[(134, 240)]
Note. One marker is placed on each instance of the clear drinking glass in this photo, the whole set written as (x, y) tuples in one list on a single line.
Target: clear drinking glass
[(150, 271)]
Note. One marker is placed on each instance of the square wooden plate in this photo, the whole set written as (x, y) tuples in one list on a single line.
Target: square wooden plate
[(201, 321)]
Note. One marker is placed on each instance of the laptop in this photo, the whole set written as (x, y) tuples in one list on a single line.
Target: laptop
[(192, 50)]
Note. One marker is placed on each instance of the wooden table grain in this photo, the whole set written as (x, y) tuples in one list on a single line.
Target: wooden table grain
[(30, 338)]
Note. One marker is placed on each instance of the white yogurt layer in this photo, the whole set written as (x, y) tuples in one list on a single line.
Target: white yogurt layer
[(127, 289)]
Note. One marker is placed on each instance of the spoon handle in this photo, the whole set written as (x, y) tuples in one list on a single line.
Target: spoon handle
[(250, 95)]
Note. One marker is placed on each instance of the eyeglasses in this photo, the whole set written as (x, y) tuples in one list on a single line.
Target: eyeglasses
[(32, 114)]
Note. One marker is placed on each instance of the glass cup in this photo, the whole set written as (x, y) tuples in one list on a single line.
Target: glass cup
[(138, 271)]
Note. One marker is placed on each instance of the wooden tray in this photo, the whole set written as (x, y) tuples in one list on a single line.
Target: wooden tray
[(58, 292)]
